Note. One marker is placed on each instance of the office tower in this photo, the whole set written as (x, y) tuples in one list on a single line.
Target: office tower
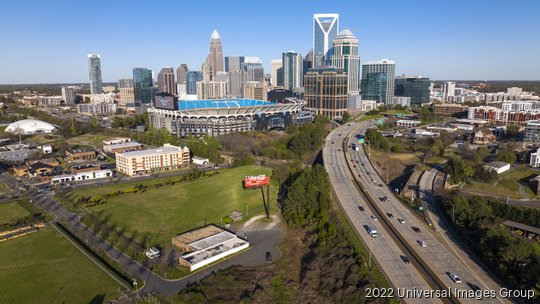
[(206, 71), (276, 65), (127, 95), (94, 70), (236, 83), (125, 83), (222, 76), (325, 30), (211, 89), (309, 57), (415, 87), (233, 63), (254, 68), (326, 91), (345, 56), (448, 90), (166, 82), (378, 81), (192, 77), (143, 85), (292, 71), (255, 90), (181, 73), (215, 56), (68, 95)]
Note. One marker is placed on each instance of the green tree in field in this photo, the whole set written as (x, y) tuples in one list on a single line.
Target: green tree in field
[(459, 169), (507, 157)]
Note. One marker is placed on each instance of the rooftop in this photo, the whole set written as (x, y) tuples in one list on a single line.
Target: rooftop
[(222, 103), (497, 164), (124, 145), (197, 234)]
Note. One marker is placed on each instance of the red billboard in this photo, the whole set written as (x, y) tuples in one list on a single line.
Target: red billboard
[(256, 181)]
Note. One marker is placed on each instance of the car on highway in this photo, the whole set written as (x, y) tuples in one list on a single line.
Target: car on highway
[(332, 143), (421, 243), (268, 257), (405, 259), (454, 277), (373, 181), (373, 217), (416, 229), (380, 185), (361, 208), (382, 199), (385, 198), (401, 221), (367, 173), (473, 286), (390, 215)]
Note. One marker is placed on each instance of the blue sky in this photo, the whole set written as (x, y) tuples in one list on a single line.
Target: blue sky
[(47, 41)]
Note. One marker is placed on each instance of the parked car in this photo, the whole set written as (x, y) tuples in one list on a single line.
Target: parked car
[(268, 257)]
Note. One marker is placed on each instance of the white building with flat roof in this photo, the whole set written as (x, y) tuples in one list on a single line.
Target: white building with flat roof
[(81, 176), (535, 159), (148, 161)]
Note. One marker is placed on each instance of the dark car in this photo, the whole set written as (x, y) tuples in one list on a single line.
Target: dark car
[(473, 286), (268, 257), (360, 208), (380, 185), (405, 259), (416, 229), (390, 215)]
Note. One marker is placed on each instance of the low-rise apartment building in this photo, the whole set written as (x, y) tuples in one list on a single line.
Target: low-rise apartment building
[(148, 161)]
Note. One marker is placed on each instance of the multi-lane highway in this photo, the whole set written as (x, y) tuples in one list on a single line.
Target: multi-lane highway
[(388, 253), (411, 229)]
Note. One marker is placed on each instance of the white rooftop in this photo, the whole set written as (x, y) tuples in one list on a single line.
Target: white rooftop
[(156, 151), (215, 35)]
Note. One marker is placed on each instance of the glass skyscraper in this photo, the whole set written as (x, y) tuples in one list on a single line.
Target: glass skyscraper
[(143, 85), (192, 77), (233, 63), (293, 66), (325, 30), (345, 56), (415, 87), (94, 70), (378, 81)]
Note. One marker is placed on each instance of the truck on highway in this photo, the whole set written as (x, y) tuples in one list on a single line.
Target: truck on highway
[(372, 231)]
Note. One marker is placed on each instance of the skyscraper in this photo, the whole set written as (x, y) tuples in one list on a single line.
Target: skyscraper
[(448, 89), (206, 71), (166, 83), (143, 85), (276, 65), (233, 63), (254, 68), (378, 81), (211, 89), (192, 77), (345, 56), (292, 71), (181, 73), (326, 91), (325, 30), (125, 83), (415, 87), (94, 70), (236, 83), (68, 95), (215, 56)]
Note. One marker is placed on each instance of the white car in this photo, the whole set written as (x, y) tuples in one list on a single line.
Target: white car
[(401, 221), (422, 243), (454, 277), (373, 218)]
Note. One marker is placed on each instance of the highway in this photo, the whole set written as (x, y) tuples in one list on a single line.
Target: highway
[(440, 260), (383, 248)]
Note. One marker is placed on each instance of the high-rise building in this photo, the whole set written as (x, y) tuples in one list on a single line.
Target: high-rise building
[(143, 85), (94, 70), (345, 56), (192, 77), (326, 91), (325, 30), (206, 71), (211, 89), (378, 81), (276, 65), (125, 83), (215, 56), (255, 90), (68, 95), (292, 71), (448, 90), (233, 63), (127, 95), (181, 73), (236, 83), (415, 87), (166, 81), (254, 68)]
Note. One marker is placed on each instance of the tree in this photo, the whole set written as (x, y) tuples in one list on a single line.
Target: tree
[(345, 117), (507, 157), (512, 131), (459, 169)]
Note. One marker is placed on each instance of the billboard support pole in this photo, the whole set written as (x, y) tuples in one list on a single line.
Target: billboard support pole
[(268, 201)]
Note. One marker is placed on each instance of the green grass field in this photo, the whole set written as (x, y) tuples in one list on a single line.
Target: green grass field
[(368, 117), (171, 209), (43, 267), (11, 211), (4, 188), (508, 185), (95, 140)]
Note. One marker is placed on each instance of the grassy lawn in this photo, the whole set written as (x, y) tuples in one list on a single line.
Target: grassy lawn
[(4, 188), (397, 112), (94, 140), (2, 129), (43, 267), (369, 117), (508, 185), (11, 211), (171, 209)]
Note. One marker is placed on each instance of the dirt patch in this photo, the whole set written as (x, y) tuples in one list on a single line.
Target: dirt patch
[(398, 166)]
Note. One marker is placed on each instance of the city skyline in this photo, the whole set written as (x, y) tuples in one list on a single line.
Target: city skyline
[(441, 42)]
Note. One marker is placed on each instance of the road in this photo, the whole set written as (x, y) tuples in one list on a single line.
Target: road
[(383, 248), (261, 241), (441, 261)]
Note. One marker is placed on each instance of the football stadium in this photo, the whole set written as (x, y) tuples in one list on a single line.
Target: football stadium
[(222, 116)]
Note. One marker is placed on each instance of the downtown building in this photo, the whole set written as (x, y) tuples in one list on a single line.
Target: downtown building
[(498, 115), (68, 95), (143, 85), (293, 71), (325, 30), (94, 71), (215, 55), (276, 78), (415, 87), (326, 91), (166, 81), (345, 56), (149, 161), (126, 92), (211, 89), (99, 109), (192, 77), (378, 81)]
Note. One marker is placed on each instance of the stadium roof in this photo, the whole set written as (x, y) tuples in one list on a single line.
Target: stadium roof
[(222, 103), (30, 126)]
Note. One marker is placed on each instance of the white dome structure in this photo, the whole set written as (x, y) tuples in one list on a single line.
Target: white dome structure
[(30, 126)]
